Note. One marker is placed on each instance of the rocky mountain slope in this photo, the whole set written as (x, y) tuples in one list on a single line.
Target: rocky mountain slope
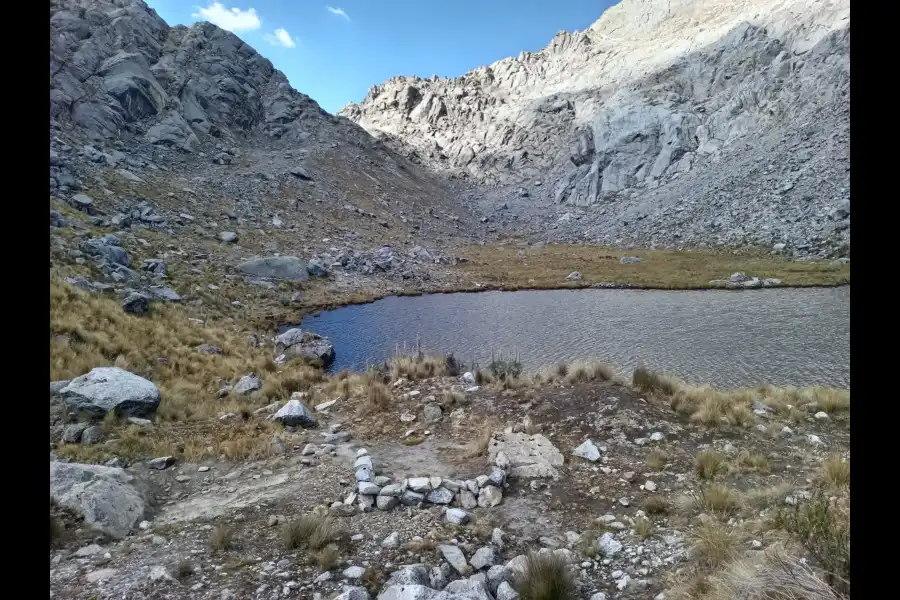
[(190, 133), (666, 122)]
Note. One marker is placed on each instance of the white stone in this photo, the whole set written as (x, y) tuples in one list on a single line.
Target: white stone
[(587, 450), (608, 545)]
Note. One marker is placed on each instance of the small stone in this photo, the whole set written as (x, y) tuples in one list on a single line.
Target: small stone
[(247, 384), (136, 304), (650, 486), (229, 237), (489, 496), (822, 416), (393, 489), (483, 557), (457, 516), (353, 572), (467, 499), (391, 541), (587, 450), (440, 495), (454, 556), (161, 463), (497, 537), (625, 501), (506, 592), (497, 477), (407, 417), (411, 498), (386, 502), (419, 484), (433, 413), (813, 439), (608, 545), (657, 436), (367, 488)]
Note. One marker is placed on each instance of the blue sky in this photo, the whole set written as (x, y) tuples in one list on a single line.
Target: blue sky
[(336, 52)]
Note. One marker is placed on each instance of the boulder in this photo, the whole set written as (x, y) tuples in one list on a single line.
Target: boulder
[(316, 268), (297, 343), (528, 455), (456, 558), (289, 268), (107, 497), (247, 384), (136, 304), (110, 388), (457, 516), (295, 413)]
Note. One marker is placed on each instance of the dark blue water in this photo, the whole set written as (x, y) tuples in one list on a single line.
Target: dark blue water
[(780, 336)]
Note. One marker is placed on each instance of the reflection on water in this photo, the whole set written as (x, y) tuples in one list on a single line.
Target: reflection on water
[(782, 337)]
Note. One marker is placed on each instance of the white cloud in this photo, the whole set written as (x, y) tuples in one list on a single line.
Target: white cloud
[(338, 11), (230, 19), (280, 38)]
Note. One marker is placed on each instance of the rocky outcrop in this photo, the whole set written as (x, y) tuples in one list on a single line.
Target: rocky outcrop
[(107, 497), (298, 343), (670, 120)]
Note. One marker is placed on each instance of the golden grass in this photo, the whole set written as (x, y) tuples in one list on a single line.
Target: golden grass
[(714, 544), (836, 471), (327, 558), (587, 543), (415, 367), (716, 498), (708, 464), (715, 407), (308, 531), (548, 266), (752, 462), (657, 460), (483, 441), (655, 505), (221, 538)]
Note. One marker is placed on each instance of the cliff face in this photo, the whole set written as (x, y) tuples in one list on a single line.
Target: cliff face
[(670, 121), (199, 105)]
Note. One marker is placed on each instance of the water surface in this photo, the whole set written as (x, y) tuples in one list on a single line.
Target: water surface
[(726, 338)]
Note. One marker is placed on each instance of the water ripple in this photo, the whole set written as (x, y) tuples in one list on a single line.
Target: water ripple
[(781, 337)]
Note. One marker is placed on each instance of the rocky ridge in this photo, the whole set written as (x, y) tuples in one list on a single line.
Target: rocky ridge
[(667, 122), (189, 135)]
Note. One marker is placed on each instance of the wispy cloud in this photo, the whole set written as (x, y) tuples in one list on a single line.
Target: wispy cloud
[(230, 19), (338, 11), (280, 38)]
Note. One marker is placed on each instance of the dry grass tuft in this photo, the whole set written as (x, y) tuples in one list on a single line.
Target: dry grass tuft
[(761, 498), (581, 371), (657, 460), (651, 382), (752, 462), (327, 558), (656, 505), (378, 395), (643, 528), (836, 470), (183, 569), (546, 577), (415, 367), (773, 575), (308, 532), (716, 498), (830, 400), (452, 398), (822, 526), (708, 464), (221, 538), (483, 441), (714, 544), (587, 543)]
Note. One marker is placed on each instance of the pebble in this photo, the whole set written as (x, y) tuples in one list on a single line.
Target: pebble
[(649, 486)]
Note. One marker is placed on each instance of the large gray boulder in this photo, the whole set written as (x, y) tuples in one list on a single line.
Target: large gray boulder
[(106, 247), (110, 388), (289, 268), (107, 497), (295, 413), (295, 343)]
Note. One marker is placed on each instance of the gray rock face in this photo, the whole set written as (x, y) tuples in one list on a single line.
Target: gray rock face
[(288, 268), (106, 496), (634, 120), (295, 413), (110, 388), (528, 455)]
